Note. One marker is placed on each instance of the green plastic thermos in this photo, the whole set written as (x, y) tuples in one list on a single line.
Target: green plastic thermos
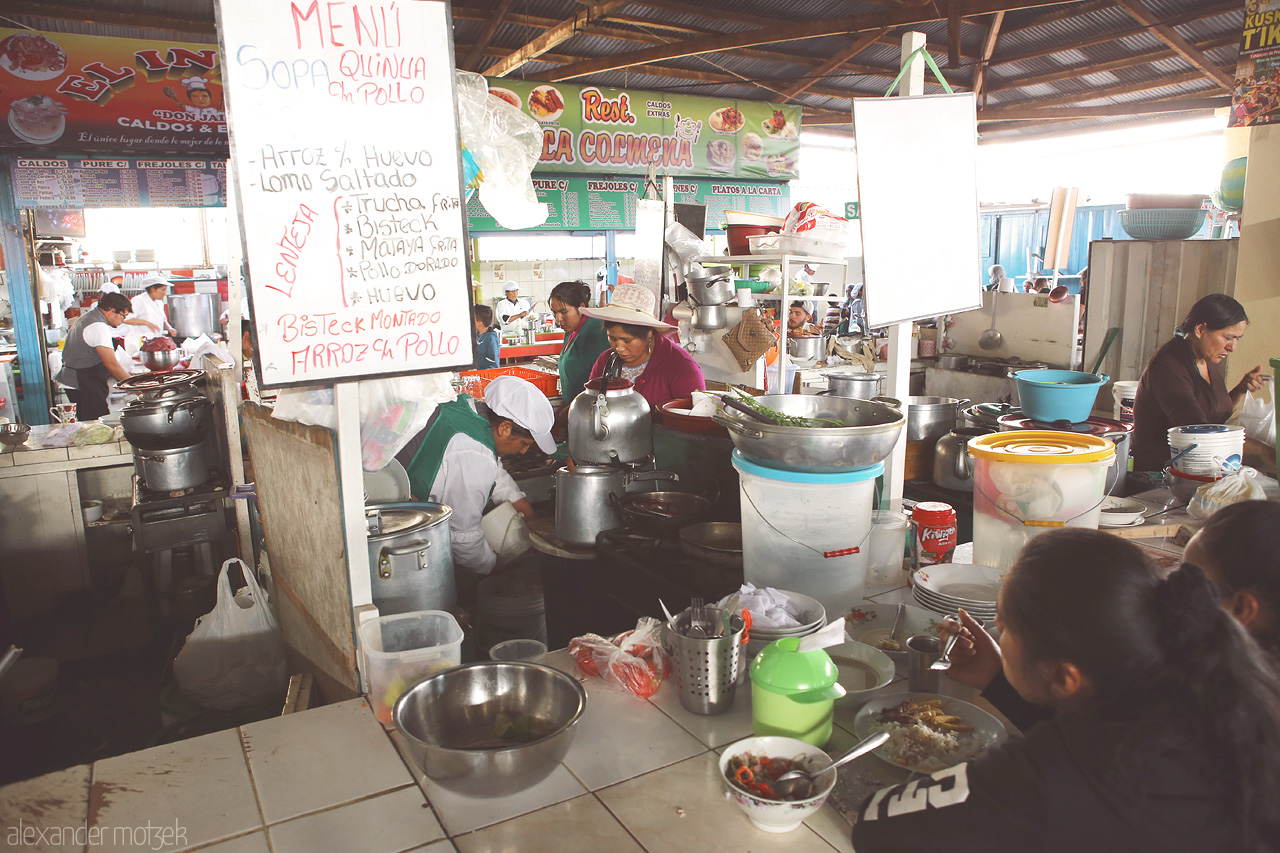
[(793, 693)]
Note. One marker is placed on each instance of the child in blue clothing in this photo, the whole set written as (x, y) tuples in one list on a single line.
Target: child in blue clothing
[(487, 338)]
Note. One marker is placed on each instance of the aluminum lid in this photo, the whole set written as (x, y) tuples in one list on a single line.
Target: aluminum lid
[(779, 668), (1104, 427), (392, 519), (1042, 447)]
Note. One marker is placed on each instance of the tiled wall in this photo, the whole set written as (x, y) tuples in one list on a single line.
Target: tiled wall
[(537, 278)]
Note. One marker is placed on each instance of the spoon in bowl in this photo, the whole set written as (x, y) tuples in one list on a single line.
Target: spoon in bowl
[(801, 782)]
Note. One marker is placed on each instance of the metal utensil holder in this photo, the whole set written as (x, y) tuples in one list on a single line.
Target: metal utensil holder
[(706, 668)]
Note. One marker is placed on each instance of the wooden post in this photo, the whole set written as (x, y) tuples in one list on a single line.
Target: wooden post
[(899, 373)]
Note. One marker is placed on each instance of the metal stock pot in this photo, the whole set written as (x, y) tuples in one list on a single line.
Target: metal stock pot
[(932, 417), (410, 558)]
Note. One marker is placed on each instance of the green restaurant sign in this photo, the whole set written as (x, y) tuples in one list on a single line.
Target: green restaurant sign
[(616, 131), (598, 204)]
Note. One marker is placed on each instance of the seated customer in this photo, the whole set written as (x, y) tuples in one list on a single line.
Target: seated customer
[(660, 370), (1165, 728), (454, 460), (1239, 550)]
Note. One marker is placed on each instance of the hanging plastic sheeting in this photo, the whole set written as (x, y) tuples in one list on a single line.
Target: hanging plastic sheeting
[(505, 144)]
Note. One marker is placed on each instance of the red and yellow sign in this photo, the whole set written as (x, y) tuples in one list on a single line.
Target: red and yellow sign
[(78, 93)]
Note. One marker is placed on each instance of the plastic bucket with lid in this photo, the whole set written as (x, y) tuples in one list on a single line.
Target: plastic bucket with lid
[(793, 693), (1124, 392), (1027, 482), (807, 532), (1215, 446)]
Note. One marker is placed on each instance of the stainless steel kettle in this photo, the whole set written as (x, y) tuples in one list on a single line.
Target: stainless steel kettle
[(952, 467), (610, 422)]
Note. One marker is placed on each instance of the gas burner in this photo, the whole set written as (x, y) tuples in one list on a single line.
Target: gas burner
[(143, 496), (1005, 367)]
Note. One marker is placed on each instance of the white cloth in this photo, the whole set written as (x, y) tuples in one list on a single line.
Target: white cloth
[(99, 335), (151, 310), (466, 472), (508, 309)]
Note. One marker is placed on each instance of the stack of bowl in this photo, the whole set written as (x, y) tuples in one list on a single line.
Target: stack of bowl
[(813, 617), (1202, 453)]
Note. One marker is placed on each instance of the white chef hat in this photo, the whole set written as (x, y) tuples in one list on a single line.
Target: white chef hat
[(521, 402), (108, 287), (195, 83), (510, 286), (152, 279)]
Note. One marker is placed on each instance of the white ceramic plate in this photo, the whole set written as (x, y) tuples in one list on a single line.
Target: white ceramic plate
[(986, 727), (538, 111), (1121, 512), (56, 68), (966, 583), (111, 420), (949, 606), (1104, 523), (389, 485), (870, 622)]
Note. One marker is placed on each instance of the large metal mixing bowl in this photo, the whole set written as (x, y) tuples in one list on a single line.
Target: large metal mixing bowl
[(870, 439), (160, 359), (450, 720)]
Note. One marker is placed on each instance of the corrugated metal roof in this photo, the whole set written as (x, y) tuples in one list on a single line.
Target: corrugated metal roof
[(1034, 43)]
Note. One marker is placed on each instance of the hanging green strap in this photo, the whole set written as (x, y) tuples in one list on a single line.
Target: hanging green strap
[(933, 66)]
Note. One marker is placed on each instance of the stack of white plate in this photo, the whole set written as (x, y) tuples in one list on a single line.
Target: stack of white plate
[(813, 616), (947, 586), (144, 255)]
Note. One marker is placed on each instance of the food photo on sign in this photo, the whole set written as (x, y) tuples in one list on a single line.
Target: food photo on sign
[(79, 92)]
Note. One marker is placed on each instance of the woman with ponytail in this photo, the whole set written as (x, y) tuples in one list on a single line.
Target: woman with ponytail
[(1159, 719)]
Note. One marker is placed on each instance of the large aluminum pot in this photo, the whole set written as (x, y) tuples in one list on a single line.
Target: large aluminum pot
[(410, 558), (807, 348), (952, 465), (450, 720), (193, 314), (613, 426), (583, 506), (873, 431), (930, 418), (708, 318), (163, 423), (173, 469), (715, 287), (857, 386)]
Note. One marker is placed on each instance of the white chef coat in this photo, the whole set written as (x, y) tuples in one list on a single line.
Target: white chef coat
[(507, 309), (466, 472), (151, 310)]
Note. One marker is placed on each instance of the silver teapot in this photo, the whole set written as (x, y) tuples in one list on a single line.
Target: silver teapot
[(952, 467), (610, 422)]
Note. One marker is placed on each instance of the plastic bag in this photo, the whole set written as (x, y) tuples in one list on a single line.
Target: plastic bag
[(634, 661), (506, 144), (1233, 488), (234, 657), (394, 410), (1258, 417), (685, 245), (78, 434)]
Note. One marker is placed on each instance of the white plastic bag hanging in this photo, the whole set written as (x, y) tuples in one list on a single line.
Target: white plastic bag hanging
[(234, 657), (1233, 488), (1258, 416)]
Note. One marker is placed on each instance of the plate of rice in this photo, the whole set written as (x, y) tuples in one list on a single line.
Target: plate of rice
[(928, 732)]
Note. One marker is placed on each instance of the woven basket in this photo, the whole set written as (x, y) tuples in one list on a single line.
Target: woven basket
[(1161, 223)]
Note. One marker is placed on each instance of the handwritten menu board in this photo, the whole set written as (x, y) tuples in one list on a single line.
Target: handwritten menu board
[(344, 148), (596, 204), (118, 182)]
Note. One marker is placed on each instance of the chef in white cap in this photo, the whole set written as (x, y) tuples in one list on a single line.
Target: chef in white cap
[(512, 309), (148, 308), (454, 460)]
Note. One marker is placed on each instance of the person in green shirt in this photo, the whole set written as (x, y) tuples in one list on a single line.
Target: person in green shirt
[(584, 340)]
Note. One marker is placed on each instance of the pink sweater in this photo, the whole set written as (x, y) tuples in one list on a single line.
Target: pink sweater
[(671, 373)]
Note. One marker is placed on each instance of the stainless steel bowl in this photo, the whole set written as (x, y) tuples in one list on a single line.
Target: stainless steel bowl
[(14, 435), (450, 720), (161, 359), (820, 450)]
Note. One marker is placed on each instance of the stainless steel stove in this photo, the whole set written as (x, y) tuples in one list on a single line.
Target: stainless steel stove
[(1005, 367)]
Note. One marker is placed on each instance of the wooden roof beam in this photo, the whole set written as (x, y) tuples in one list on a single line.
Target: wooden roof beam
[(1088, 95), (491, 25), (857, 46), (98, 15), (562, 31), (988, 48), (847, 25), (1075, 10), (1184, 48), (1100, 67)]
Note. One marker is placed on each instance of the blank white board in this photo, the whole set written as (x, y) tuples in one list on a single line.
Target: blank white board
[(344, 146), (917, 183)]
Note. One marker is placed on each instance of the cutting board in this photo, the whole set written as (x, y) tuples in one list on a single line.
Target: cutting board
[(1144, 531)]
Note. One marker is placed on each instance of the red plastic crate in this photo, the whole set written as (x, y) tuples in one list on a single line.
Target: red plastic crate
[(547, 383)]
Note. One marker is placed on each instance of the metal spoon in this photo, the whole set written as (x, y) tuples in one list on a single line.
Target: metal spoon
[(801, 782), (897, 621), (944, 662), (991, 338)]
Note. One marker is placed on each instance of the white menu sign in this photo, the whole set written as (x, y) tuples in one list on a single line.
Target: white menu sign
[(344, 146)]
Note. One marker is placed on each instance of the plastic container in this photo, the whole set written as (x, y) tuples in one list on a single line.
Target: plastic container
[(936, 533), (1215, 446), (1173, 223), (28, 690), (1058, 395), (1026, 482), (888, 546), (398, 650), (795, 244), (1124, 392), (532, 651), (771, 380), (807, 532), (793, 693), (547, 383), (511, 607)]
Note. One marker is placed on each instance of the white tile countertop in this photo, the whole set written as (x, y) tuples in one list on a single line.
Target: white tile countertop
[(642, 775)]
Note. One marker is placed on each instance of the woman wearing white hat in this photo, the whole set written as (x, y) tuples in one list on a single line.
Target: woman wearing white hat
[(512, 308), (148, 307), (660, 370)]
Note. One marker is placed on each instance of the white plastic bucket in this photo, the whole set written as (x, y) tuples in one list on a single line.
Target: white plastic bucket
[(1215, 445), (807, 532), (1124, 392)]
